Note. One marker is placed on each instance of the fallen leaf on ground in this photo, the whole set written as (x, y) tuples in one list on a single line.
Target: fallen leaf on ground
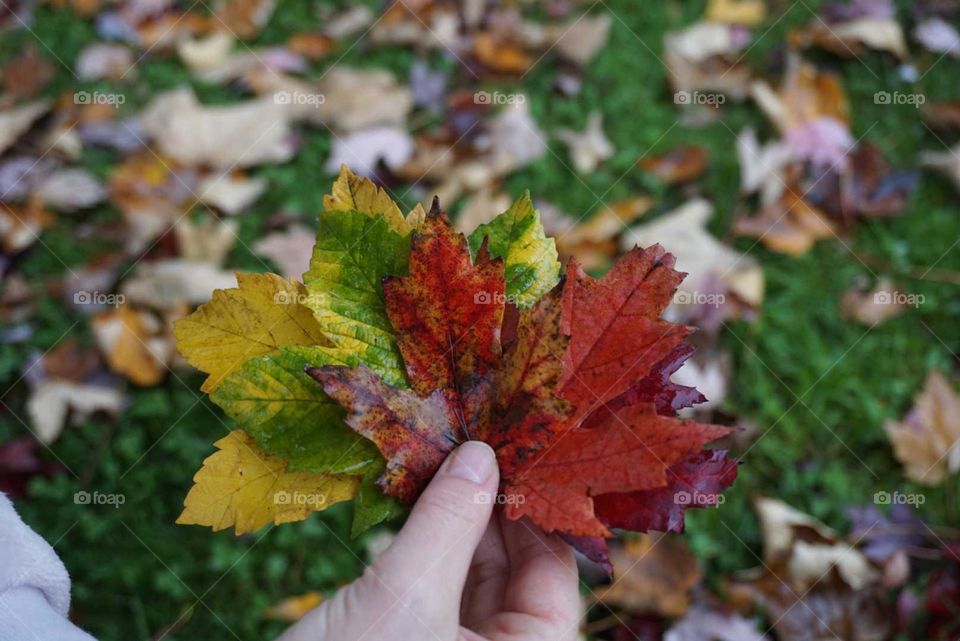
[(293, 608), (927, 440), (677, 165), (744, 12), (874, 306), (16, 121), (218, 136), (208, 240), (290, 249), (701, 623), (790, 225), (654, 574), (716, 272), (593, 242), (132, 344), (588, 148), (171, 283), (50, 403)]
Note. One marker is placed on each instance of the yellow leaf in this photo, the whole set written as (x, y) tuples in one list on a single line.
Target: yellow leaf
[(352, 192), (264, 313), (128, 339), (748, 13), (243, 486), (293, 608)]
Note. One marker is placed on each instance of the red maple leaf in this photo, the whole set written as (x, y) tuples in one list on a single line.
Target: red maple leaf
[(579, 408)]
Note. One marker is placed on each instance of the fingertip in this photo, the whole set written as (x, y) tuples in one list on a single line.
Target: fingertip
[(474, 461)]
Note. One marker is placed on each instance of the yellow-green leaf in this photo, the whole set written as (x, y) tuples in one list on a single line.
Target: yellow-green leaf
[(530, 257), (244, 487), (353, 253), (355, 193), (288, 414), (263, 313)]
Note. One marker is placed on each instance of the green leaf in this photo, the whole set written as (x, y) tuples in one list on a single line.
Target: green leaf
[(530, 257), (354, 251), (371, 506), (288, 414)]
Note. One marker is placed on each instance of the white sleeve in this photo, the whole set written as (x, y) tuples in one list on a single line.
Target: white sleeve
[(34, 585)]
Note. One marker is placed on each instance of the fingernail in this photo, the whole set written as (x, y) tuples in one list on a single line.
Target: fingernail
[(473, 461)]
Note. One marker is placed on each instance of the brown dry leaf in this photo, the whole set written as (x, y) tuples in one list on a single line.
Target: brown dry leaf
[(293, 608), (653, 574), (849, 38), (681, 164), (169, 284), (16, 121), (808, 548), (245, 18), (942, 114), (28, 73), (501, 56), (71, 361), (132, 343), (748, 13), (713, 268), (151, 191), (805, 95), (578, 40), (312, 46), (874, 306), (590, 147), (703, 57), (20, 226), (827, 612), (594, 242), (52, 400), (813, 586), (927, 440), (344, 99), (219, 136), (790, 225), (209, 240)]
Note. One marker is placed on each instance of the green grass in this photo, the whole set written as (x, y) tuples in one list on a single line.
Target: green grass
[(817, 386)]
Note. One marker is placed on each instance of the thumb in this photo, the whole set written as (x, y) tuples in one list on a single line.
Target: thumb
[(432, 553)]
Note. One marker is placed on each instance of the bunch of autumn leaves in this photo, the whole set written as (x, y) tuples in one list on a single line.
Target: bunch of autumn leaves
[(407, 338)]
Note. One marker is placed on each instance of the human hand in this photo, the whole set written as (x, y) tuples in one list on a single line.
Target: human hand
[(457, 571)]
